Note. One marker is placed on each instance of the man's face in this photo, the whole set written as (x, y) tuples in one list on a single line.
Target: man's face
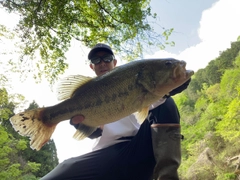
[(102, 67)]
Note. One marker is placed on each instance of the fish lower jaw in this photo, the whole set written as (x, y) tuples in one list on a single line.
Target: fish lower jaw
[(189, 73)]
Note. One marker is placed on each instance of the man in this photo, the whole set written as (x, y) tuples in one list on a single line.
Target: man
[(126, 150)]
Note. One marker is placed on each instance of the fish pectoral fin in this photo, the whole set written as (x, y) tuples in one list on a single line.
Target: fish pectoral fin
[(83, 131), (142, 114), (69, 84), (29, 124)]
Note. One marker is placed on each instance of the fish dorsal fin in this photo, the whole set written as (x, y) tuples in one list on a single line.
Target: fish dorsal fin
[(142, 114), (69, 84)]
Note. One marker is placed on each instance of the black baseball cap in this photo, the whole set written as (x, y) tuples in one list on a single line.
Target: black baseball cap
[(99, 47)]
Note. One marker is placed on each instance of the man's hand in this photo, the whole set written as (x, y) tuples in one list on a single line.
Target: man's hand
[(76, 120)]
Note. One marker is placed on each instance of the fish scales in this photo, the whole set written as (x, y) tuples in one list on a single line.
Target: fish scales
[(114, 84), (127, 89), (95, 96)]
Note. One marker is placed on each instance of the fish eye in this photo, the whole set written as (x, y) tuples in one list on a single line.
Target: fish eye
[(168, 63)]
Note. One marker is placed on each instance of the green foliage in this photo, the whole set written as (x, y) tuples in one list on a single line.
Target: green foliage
[(237, 61), (238, 39), (21, 144), (5, 107), (229, 127), (210, 118), (32, 167), (230, 83), (47, 157), (230, 176), (47, 28), (17, 160), (5, 33), (212, 74), (9, 167)]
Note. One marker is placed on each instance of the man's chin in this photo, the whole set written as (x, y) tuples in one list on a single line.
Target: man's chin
[(102, 72)]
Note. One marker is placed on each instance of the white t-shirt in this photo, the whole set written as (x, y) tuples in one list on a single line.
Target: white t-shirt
[(124, 127)]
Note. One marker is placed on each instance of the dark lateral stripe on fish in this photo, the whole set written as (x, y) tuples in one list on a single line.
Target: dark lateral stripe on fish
[(98, 102)]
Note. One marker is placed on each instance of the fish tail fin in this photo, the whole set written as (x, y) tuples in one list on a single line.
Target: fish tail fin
[(30, 124), (83, 131)]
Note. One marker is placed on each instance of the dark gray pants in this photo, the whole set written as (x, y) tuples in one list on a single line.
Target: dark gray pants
[(129, 160)]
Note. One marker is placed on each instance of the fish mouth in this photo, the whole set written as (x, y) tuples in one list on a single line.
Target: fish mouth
[(181, 72)]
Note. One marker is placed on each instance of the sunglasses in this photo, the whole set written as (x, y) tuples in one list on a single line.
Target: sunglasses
[(107, 59)]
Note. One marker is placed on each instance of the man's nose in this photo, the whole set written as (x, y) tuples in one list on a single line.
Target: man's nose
[(102, 63)]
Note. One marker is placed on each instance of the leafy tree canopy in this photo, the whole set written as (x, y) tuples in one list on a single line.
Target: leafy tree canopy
[(48, 26)]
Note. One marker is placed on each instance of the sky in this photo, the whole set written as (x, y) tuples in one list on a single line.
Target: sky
[(184, 16), (202, 28)]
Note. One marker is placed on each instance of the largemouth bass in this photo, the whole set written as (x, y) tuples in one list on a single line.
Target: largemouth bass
[(127, 89)]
